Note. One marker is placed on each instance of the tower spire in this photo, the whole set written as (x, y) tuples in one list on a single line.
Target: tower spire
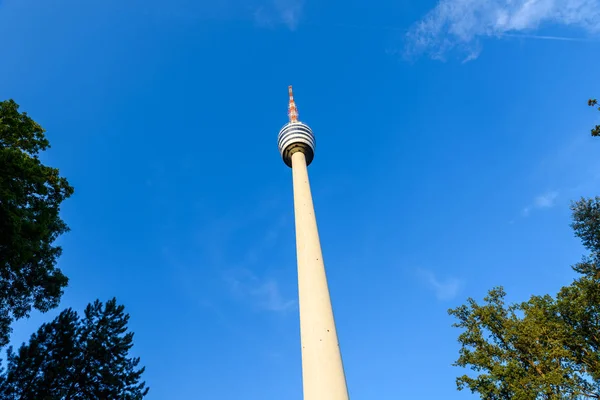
[(292, 110)]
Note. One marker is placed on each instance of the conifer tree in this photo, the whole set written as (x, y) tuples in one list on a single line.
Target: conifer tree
[(73, 358)]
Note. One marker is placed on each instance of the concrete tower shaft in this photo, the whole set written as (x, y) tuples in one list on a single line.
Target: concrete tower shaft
[(323, 375)]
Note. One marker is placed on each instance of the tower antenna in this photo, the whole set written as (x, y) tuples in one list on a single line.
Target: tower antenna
[(292, 110)]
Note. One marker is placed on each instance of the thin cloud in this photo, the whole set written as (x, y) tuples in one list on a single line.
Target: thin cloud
[(461, 24), (545, 37), (573, 165), (269, 297), (264, 294), (445, 289), (287, 12), (546, 200), (260, 291), (228, 257)]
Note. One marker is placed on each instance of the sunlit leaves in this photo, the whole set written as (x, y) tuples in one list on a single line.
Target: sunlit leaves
[(545, 348)]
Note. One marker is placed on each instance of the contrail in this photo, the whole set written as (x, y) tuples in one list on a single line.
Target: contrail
[(542, 37), (500, 35)]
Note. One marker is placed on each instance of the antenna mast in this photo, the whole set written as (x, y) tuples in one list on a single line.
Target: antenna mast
[(292, 110)]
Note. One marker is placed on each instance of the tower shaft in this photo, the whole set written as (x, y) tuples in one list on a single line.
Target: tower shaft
[(322, 369)]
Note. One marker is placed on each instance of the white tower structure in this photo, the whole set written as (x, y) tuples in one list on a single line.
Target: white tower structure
[(322, 369)]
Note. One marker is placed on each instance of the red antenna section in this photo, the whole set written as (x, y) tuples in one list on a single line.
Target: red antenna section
[(292, 110)]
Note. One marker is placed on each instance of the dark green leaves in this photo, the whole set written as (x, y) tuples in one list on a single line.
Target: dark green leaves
[(596, 129), (586, 223), (18, 131), (30, 198)]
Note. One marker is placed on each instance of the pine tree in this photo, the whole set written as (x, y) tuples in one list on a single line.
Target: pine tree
[(73, 358)]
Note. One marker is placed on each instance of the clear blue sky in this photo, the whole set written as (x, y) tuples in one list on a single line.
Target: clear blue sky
[(448, 148)]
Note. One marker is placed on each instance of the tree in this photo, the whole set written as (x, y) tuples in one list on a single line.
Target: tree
[(30, 197), (596, 129), (76, 358), (545, 348)]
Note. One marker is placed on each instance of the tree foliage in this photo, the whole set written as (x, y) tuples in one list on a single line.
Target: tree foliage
[(30, 197), (596, 129), (77, 358), (545, 348)]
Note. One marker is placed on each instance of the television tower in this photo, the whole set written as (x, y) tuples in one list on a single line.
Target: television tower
[(322, 369)]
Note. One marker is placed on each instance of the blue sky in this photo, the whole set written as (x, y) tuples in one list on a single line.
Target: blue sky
[(451, 137)]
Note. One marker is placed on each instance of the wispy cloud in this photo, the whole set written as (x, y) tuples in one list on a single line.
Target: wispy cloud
[(287, 12), (265, 13), (262, 292), (265, 293), (546, 200), (234, 256), (545, 37), (460, 24), (444, 289), (572, 166), (269, 296)]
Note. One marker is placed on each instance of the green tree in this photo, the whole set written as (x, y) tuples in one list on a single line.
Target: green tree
[(77, 358), (596, 129), (545, 348), (30, 198)]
